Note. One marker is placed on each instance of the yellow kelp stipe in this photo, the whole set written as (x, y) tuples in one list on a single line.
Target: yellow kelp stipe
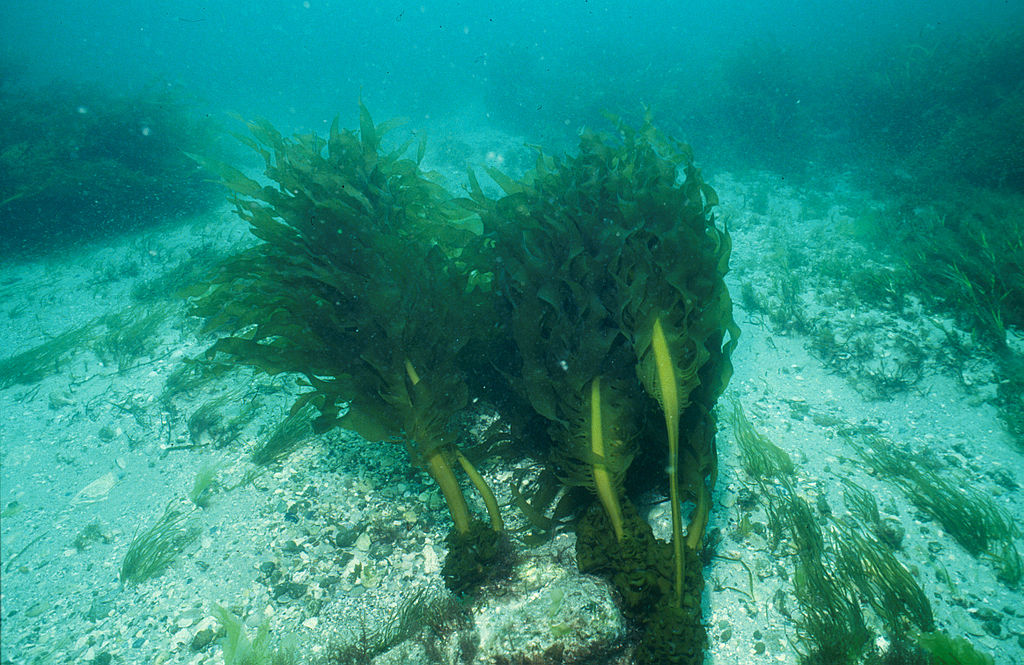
[(602, 478), (669, 391)]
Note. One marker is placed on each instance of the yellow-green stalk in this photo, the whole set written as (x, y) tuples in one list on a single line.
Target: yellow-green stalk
[(441, 471), (602, 478), (443, 475), (669, 391), (481, 486)]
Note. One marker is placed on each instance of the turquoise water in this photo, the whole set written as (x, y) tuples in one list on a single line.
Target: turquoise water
[(868, 166)]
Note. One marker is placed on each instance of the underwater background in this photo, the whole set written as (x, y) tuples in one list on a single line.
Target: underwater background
[(206, 458)]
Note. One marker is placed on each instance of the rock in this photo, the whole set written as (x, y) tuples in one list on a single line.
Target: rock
[(345, 538), (202, 639), (102, 658), (993, 628), (891, 532), (292, 590), (60, 399), (183, 636), (99, 608)]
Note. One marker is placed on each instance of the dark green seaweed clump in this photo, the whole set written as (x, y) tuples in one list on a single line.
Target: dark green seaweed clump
[(356, 286), (587, 304), (610, 274)]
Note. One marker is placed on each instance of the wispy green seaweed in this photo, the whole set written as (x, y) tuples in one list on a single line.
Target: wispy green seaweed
[(969, 515), (839, 567), (193, 373), (762, 459), (47, 358), (287, 437), (1008, 563), (419, 609), (861, 503), (974, 520), (882, 580), (219, 421), (131, 334), (153, 550), (830, 622)]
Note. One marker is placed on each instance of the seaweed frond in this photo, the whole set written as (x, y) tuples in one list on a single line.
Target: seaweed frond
[(203, 486), (946, 650), (153, 550), (40, 361), (762, 459), (888, 586), (240, 649), (290, 434)]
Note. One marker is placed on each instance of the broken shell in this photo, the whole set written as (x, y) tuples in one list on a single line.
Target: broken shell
[(95, 491)]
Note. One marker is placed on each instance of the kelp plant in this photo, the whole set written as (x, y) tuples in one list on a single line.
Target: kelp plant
[(589, 298), (357, 286), (611, 271)]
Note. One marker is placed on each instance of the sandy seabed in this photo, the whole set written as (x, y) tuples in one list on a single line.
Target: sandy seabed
[(324, 546)]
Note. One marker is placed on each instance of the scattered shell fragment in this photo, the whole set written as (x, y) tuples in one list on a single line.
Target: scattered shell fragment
[(60, 399), (181, 637), (430, 562), (95, 491)]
